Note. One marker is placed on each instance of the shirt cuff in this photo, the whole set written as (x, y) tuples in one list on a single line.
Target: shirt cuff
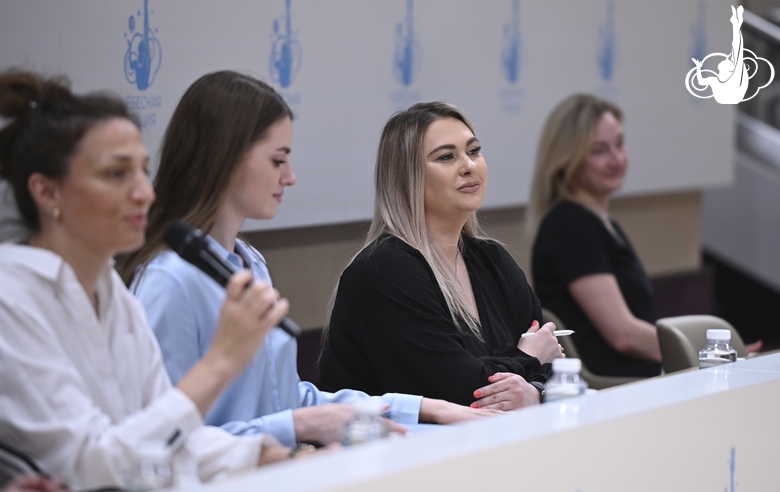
[(220, 455), (182, 410), (404, 409), (281, 425)]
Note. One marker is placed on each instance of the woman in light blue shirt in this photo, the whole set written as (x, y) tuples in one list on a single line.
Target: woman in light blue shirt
[(225, 159)]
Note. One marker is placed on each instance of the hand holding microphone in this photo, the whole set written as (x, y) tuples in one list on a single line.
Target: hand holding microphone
[(250, 311), (190, 243)]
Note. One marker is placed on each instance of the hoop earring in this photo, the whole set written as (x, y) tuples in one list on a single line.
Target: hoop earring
[(56, 213)]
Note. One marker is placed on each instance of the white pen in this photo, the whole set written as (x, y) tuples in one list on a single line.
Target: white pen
[(557, 333)]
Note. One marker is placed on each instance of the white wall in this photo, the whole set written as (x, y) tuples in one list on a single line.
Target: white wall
[(741, 223)]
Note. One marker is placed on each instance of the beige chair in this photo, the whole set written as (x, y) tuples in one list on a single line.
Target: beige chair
[(681, 338), (594, 381)]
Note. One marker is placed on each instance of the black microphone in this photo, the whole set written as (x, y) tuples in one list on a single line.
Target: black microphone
[(191, 244)]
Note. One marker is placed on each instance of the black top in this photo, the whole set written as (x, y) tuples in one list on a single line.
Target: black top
[(391, 330), (573, 242)]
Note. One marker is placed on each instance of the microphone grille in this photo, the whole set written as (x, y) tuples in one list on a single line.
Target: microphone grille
[(176, 235)]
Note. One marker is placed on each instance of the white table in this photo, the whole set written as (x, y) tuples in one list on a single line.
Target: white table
[(674, 433)]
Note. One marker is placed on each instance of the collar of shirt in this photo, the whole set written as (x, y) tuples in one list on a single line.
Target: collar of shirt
[(50, 266), (43, 262), (245, 256)]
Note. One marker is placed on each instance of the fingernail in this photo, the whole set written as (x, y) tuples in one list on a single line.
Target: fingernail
[(535, 323), (474, 405), (476, 394)]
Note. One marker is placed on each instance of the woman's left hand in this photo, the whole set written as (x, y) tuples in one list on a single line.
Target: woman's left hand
[(507, 391)]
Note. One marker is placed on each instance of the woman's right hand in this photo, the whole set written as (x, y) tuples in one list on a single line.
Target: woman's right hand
[(324, 424), (506, 391), (250, 311), (543, 345)]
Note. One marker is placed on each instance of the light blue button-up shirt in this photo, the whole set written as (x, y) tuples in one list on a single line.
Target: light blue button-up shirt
[(183, 305)]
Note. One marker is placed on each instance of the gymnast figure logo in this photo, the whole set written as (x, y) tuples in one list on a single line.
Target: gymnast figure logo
[(735, 70), (510, 52), (144, 53), (406, 60), (286, 52)]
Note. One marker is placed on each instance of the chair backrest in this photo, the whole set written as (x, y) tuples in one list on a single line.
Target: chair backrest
[(14, 463), (681, 338), (594, 381)]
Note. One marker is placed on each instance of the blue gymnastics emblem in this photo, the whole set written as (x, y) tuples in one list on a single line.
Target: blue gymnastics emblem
[(286, 52), (606, 51), (143, 57), (510, 45), (407, 54)]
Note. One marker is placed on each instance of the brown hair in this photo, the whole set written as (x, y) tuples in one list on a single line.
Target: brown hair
[(47, 123), (218, 119)]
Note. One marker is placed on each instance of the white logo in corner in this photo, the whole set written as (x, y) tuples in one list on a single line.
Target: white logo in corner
[(730, 84)]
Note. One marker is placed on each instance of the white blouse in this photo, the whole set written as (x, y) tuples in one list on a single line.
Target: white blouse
[(80, 391)]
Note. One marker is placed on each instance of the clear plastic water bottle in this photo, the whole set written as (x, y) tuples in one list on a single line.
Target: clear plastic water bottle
[(717, 351), (368, 424), (565, 381)]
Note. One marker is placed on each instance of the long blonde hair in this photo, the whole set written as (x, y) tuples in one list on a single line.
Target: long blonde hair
[(399, 180), (563, 149)]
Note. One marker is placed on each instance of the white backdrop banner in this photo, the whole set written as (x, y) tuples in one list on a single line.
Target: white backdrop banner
[(345, 66)]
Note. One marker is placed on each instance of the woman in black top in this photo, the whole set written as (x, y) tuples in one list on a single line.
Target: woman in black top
[(584, 267), (430, 305)]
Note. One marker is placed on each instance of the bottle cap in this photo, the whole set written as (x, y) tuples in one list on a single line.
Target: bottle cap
[(566, 365), (719, 335)]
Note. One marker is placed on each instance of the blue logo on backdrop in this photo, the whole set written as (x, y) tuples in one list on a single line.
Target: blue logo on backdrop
[(510, 45), (699, 33), (606, 56), (143, 59), (144, 53), (407, 56), (511, 98), (406, 59), (286, 52)]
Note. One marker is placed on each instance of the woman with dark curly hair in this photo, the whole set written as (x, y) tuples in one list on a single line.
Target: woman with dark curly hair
[(82, 384)]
